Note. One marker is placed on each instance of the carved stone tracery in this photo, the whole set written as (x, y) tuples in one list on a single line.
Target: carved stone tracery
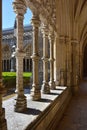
[(46, 9)]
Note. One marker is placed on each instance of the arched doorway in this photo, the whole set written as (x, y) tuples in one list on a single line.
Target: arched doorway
[(85, 62)]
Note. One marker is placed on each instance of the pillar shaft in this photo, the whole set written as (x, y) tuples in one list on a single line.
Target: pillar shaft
[(51, 41), (45, 86), (35, 58), (75, 68), (21, 98), (3, 124), (68, 62), (62, 60)]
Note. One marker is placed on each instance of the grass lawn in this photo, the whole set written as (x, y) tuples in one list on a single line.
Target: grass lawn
[(9, 76)]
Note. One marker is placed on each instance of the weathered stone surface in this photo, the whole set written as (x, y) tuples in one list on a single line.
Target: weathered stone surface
[(39, 114), (75, 116)]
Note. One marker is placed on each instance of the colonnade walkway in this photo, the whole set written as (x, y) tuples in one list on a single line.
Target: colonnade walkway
[(20, 121), (75, 116)]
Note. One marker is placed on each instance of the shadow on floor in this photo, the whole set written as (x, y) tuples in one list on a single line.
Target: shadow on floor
[(44, 100), (31, 111), (54, 93)]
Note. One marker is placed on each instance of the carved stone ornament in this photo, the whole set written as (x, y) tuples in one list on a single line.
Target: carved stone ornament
[(45, 8)]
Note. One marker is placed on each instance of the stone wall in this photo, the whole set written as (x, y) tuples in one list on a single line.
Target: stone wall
[(49, 118)]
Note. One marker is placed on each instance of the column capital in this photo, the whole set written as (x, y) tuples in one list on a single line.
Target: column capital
[(35, 21), (74, 41), (64, 39), (45, 30), (19, 7), (51, 35), (61, 39), (67, 39)]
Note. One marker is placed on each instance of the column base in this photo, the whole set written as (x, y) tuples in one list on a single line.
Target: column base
[(45, 88), (52, 85), (21, 104), (35, 93), (3, 123), (36, 96)]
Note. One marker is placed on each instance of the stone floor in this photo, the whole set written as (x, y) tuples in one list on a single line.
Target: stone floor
[(75, 116), (19, 121)]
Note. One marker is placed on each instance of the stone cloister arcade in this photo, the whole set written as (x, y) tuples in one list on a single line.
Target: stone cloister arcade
[(8, 48), (63, 24), (9, 60)]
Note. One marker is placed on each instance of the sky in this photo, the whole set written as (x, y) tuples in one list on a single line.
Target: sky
[(8, 15)]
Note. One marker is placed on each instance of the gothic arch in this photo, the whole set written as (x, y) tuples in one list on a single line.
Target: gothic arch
[(45, 9), (79, 8)]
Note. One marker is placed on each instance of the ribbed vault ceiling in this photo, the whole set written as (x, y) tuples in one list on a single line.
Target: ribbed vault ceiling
[(80, 15)]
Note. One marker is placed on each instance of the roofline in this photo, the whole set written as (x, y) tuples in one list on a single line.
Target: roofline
[(10, 30)]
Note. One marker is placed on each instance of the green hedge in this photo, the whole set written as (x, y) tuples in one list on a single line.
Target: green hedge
[(9, 78), (13, 74)]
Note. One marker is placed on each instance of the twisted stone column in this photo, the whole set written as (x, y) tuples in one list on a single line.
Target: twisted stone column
[(21, 104), (3, 124), (35, 58), (45, 86), (51, 41)]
